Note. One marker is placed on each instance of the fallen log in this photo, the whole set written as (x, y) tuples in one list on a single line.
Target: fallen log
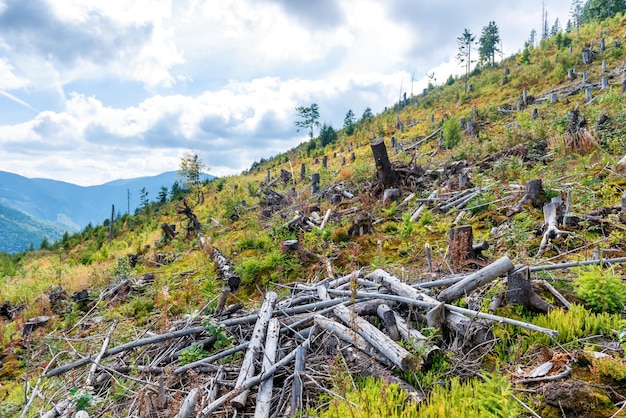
[(212, 407), (427, 349), (386, 346), (297, 387), (476, 280), (454, 309), (254, 347), (226, 270), (188, 407), (418, 212), (603, 261), (551, 214), (264, 395), (389, 319)]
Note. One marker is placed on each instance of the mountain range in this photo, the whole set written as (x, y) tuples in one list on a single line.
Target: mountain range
[(34, 208)]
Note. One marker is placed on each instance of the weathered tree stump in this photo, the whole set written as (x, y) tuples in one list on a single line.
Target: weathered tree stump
[(462, 248), (384, 171), (169, 230), (315, 183), (534, 196), (521, 292)]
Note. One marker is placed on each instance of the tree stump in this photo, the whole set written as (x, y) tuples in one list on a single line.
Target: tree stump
[(315, 183), (384, 171), (461, 242), (521, 292), (534, 196)]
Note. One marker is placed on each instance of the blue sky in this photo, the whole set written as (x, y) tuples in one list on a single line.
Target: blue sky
[(92, 91)]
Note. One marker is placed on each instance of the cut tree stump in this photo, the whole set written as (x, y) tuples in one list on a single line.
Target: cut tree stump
[(463, 251), (384, 171), (534, 196), (552, 214), (521, 292)]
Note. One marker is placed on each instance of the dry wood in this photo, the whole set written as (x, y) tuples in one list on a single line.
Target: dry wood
[(193, 219), (254, 347), (427, 349), (418, 212), (556, 293), (551, 214), (385, 345), (213, 384), (188, 407), (264, 395), (533, 196), (212, 407), (454, 309), (475, 280), (58, 410), (384, 171), (94, 366), (577, 263), (226, 270), (296, 390)]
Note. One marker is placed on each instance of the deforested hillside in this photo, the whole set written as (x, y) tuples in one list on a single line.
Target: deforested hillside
[(460, 254)]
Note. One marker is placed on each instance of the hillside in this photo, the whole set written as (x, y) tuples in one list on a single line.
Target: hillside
[(55, 206), (470, 215)]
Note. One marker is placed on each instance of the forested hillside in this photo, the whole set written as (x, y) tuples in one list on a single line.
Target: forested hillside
[(460, 254)]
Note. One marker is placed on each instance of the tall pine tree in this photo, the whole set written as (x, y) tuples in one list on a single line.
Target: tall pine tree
[(488, 44)]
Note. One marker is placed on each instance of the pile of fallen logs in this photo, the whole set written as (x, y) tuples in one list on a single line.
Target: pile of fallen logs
[(278, 359)]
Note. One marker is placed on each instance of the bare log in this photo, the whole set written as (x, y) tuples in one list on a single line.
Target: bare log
[(254, 347), (212, 407), (296, 390), (520, 291), (427, 348), (105, 344), (577, 263), (477, 279), (226, 270), (188, 407), (398, 355), (556, 294), (418, 212), (264, 396)]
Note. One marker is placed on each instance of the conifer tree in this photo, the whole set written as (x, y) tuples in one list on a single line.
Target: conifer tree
[(465, 43), (488, 44)]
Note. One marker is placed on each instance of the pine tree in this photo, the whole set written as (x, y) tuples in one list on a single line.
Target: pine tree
[(349, 122), (309, 118), (488, 44), (465, 42), (191, 166)]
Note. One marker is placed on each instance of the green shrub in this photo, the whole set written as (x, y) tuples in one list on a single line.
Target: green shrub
[(451, 132), (192, 354), (601, 289)]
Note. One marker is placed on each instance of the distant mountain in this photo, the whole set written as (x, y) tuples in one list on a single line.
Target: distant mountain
[(52, 207)]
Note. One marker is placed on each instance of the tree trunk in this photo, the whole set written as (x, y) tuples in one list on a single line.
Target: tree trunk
[(461, 246), (264, 396), (384, 171)]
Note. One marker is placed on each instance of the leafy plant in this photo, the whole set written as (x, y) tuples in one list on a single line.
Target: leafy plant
[(84, 397), (219, 332), (192, 354), (601, 289)]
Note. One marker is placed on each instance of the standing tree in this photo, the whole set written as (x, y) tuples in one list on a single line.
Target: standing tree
[(556, 28), (349, 122), (576, 11), (143, 198), (327, 135), (309, 118), (601, 9), (465, 42), (191, 166), (488, 44), (367, 115), (531, 39), (162, 198)]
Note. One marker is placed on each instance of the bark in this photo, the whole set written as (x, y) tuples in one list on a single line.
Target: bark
[(296, 390), (226, 270), (188, 407), (169, 230), (476, 280), (552, 215), (384, 171), (193, 219), (461, 243), (387, 316), (254, 348)]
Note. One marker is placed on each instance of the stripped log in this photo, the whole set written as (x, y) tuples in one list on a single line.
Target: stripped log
[(346, 334), (264, 396), (385, 345), (254, 348), (226, 270), (418, 212), (477, 279), (427, 349), (188, 407), (455, 321), (520, 291), (296, 389), (213, 406)]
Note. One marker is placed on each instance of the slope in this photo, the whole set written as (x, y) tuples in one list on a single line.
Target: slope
[(480, 151)]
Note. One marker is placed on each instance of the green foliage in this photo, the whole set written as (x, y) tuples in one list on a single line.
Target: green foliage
[(575, 323), (524, 58), (371, 398), (613, 368), (222, 339), (192, 354), (84, 397), (451, 132), (267, 268), (487, 397), (327, 135), (349, 123), (488, 44), (601, 289), (309, 118)]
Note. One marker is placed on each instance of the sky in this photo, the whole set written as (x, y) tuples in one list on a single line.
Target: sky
[(92, 91)]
